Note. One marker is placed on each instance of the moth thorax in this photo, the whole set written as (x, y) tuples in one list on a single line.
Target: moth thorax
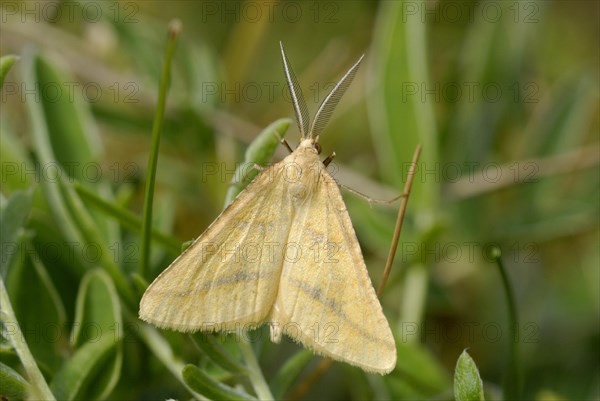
[(302, 175)]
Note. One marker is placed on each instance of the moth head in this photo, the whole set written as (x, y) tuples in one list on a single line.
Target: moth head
[(312, 144), (323, 114)]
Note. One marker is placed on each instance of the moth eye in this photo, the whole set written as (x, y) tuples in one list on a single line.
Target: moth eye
[(317, 147)]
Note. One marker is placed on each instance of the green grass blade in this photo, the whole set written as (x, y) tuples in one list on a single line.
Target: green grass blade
[(290, 371), (12, 219), (174, 31), (45, 156), (79, 372), (98, 316), (400, 119), (72, 133), (6, 62), (203, 384), (31, 276), (13, 385), (39, 387), (87, 228), (126, 218), (217, 353)]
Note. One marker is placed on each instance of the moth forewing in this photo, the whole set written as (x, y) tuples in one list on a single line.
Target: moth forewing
[(229, 276)]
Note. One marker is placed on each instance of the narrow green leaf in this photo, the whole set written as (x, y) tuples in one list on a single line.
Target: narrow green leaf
[(30, 276), (203, 384), (12, 332), (93, 371), (15, 160), (263, 146), (12, 219), (260, 152), (467, 383), (289, 372), (217, 353), (399, 117), (5, 63), (97, 309), (72, 134), (87, 228), (12, 384), (73, 140), (45, 157), (80, 372), (159, 346), (98, 317), (126, 218), (139, 283)]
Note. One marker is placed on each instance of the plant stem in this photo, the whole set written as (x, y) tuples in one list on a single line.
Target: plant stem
[(39, 387), (254, 373), (165, 80), (512, 383)]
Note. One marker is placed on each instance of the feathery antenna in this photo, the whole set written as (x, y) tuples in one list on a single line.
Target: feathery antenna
[(330, 102), (298, 101)]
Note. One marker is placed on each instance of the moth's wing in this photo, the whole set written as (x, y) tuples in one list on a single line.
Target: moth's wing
[(326, 300), (229, 276)]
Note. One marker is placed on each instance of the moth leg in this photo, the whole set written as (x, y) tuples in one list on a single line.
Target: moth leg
[(287, 145), (399, 219), (284, 142), (328, 159), (372, 200)]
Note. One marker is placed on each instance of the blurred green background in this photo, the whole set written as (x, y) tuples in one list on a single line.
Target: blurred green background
[(503, 96)]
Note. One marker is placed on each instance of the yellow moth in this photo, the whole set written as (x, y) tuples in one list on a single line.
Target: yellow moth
[(284, 252)]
